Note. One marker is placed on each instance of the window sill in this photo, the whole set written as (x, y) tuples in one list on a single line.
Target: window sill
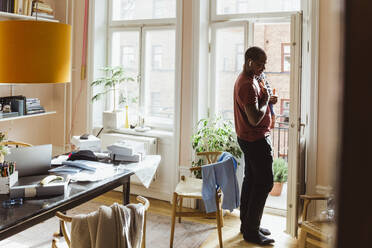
[(156, 133)]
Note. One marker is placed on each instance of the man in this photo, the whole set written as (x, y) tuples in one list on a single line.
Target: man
[(252, 124)]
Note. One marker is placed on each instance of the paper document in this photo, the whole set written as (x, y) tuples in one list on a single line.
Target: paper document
[(59, 160), (144, 170)]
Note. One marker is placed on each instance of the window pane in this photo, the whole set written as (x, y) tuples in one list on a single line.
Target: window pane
[(256, 6), (143, 9), (125, 52), (275, 40), (229, 63), (160, 73)]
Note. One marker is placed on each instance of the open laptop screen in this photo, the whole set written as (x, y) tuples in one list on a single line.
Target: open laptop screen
[(34, 160)]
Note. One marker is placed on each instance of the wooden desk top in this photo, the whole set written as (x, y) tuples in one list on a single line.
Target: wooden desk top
[(34, 211)]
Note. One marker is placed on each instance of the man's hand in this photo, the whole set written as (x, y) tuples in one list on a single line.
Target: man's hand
[(265, 93), (273, 99)]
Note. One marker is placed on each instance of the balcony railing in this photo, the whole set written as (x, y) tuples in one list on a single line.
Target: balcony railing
[(279, 136)]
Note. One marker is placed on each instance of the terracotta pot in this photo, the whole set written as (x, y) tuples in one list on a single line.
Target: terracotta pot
[(277, 189)]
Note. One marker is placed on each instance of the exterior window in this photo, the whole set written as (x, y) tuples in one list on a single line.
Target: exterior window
[(239, 57), (127, 57), (241, 6), (284, 109), (157, 56), (163, 8), (142, 35), (255, 6), (286, 57), (125, 10)]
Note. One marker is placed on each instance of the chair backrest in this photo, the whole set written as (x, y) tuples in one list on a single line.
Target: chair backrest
[(14, 143), (210, 156), (65, 218)]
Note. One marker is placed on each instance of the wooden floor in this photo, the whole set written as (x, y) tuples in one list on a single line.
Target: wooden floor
[(230, 232)]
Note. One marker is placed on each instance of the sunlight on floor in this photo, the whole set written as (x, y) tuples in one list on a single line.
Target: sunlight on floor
[(233, 239)]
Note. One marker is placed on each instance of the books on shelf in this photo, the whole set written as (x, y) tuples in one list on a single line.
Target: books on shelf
[(28, 8), (33, 106)]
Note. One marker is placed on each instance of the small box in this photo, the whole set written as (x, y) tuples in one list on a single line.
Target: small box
[(7, 182), (92, 143)]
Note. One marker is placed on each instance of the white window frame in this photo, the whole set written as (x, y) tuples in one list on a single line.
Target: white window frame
[(144, 93), (157, 21), (224, 17), (143, 25), (213, 71)]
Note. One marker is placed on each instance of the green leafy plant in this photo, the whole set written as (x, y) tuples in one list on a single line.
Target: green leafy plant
[(213, 135), (4, 150), (280, 170), (115, 76)]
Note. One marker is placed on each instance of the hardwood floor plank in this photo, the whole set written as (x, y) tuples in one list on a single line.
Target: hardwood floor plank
[(231, 230)]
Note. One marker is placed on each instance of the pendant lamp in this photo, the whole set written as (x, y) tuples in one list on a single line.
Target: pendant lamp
[(34, 52)]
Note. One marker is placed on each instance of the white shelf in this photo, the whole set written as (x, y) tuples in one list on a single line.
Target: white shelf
[(27, 116), (11, 16)]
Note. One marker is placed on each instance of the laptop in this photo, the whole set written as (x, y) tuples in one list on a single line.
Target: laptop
[(33, 160)]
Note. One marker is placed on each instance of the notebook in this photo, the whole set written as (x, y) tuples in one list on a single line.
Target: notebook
[(30, 187), (34, 160)]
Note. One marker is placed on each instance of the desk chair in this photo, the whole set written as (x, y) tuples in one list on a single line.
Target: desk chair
[(64, 218), (190, 187), (317, 233)]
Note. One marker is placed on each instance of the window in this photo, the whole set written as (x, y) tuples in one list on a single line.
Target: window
[(286, 57), (127, 57), (239, 57), (223, 7), (227, 63), (157, 55), (243, 30), (147, 51), (284, 109), (163, 8), (125, 10), (241, 6)]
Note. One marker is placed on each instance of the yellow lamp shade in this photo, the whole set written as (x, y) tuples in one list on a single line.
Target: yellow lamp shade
[(35, 52)]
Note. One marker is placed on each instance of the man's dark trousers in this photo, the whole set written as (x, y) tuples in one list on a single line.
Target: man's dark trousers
[(257, 183)]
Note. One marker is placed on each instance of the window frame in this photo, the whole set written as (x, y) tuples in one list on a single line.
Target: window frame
[(213, 58), (154, 121), (143, 25), (283, 56), (223, 17), (138, 22)]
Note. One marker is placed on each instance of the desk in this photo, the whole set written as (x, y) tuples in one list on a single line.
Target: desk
[(34, 211)]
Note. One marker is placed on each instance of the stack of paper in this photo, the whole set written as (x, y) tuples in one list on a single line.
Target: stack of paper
[(123, 151)]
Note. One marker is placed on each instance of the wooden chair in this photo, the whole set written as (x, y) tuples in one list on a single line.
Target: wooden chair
[(14, 143), (190, 187), (64, 218), (315, 232)]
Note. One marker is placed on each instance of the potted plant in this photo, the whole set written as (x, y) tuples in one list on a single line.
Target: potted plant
[(280, 172), (115, 76), (4, 150), (212, 135)]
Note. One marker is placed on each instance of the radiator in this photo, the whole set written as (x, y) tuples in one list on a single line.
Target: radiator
[(144, 145)]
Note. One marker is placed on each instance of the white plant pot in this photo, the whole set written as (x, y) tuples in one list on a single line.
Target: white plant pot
[(113, 119)]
